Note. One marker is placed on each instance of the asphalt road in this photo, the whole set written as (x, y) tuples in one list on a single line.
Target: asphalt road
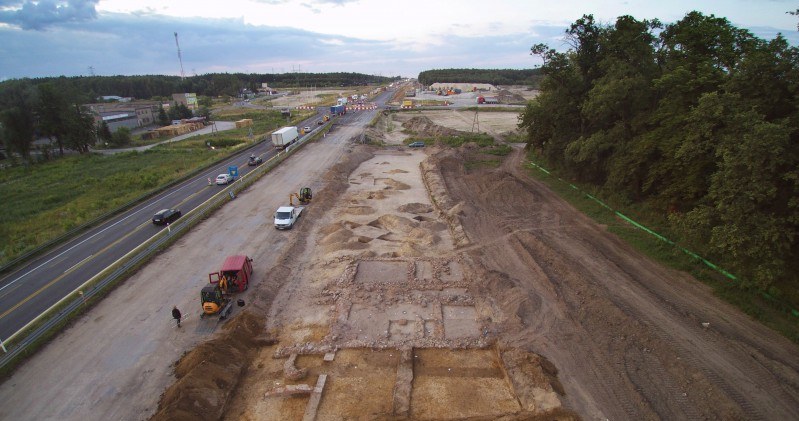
[(38, 284)]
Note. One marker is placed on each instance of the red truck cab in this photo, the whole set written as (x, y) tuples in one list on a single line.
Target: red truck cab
[(235, 274)]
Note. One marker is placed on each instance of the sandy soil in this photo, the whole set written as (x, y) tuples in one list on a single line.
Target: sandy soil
[(415, 289), (306, 98)]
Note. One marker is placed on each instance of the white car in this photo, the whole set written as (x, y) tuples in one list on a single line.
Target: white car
[(307, 129), (223, 179)]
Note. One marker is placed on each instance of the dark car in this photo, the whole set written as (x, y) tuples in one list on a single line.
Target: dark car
[(255, 160), (166, 216), (416, 145)]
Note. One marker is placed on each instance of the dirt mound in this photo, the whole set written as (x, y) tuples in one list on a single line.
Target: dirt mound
[(425, 127), (421, 237), (394, 223), (359, 210), (437, 188), (339, 236), (329, 229), (415, 208), (210, 372), (393, 184), (376, 195), (508, 97)]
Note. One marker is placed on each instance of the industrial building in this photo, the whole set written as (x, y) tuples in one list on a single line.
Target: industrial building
[(127, 114)]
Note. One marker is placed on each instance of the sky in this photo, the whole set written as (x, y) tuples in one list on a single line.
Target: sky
[(390, 38)]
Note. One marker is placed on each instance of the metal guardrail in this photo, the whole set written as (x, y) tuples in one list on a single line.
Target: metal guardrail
[(77, 299)]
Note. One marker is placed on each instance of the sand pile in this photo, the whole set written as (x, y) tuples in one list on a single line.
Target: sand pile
[(209, 373), (392, 184), (425, 127), (416, 208), (394, 223)]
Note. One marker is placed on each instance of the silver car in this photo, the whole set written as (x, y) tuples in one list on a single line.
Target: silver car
[(223, 179)]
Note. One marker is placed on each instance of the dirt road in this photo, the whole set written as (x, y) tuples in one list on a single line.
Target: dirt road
[(625, 334)]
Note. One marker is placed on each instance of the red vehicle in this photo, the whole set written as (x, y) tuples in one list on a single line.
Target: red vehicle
[(233, 277), (235, 274)]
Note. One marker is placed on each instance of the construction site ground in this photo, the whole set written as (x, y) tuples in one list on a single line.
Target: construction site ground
[(412, 288)]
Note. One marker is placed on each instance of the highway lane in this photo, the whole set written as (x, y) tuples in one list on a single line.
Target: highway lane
[(43, 281)]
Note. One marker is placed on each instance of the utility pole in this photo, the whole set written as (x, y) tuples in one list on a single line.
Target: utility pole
[(476, 121), (180, 58)]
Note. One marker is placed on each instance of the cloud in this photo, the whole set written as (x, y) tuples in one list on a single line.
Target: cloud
[(42, 14)]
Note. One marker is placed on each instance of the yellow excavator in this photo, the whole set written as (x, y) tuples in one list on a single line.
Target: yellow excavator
[(304, 196)]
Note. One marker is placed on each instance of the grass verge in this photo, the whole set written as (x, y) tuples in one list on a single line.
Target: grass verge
[(771, 313)]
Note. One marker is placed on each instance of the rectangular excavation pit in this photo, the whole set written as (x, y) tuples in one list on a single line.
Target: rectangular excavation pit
[(382, 271), (456, 384), (460, 322), (367, 322), (371, 322), (433, 329), (359, 382), (404, 329), (424, 269), (452, 272)]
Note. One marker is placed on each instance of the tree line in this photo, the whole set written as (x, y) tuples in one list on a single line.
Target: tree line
[(697, 120), (52, 107), (492, 76), (212, 85)]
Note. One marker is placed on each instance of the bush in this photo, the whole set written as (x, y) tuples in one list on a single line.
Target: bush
[(479, 138), (121, 137), (224, 142)]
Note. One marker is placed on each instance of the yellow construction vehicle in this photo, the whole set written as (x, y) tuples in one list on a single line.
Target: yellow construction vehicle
[(304, 196)]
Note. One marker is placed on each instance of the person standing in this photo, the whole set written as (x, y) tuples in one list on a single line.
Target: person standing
[(176, 314)]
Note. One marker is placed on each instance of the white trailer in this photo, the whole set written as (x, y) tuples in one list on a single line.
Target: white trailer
[(285, 136)]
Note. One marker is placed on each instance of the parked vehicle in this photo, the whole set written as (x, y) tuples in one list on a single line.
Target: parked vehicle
[(304, 196), (286, 216), (285, 137), (234, 276), (487, 100), (166, 216), (416, 145), (224, 179)]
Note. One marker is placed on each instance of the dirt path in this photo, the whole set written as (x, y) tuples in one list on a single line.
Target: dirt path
[(626, 335)]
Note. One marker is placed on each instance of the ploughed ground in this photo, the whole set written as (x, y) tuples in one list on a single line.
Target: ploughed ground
[(413, 288)]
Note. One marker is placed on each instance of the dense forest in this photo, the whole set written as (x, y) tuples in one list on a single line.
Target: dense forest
[(216, 84), (495, 77), (696, 120)]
